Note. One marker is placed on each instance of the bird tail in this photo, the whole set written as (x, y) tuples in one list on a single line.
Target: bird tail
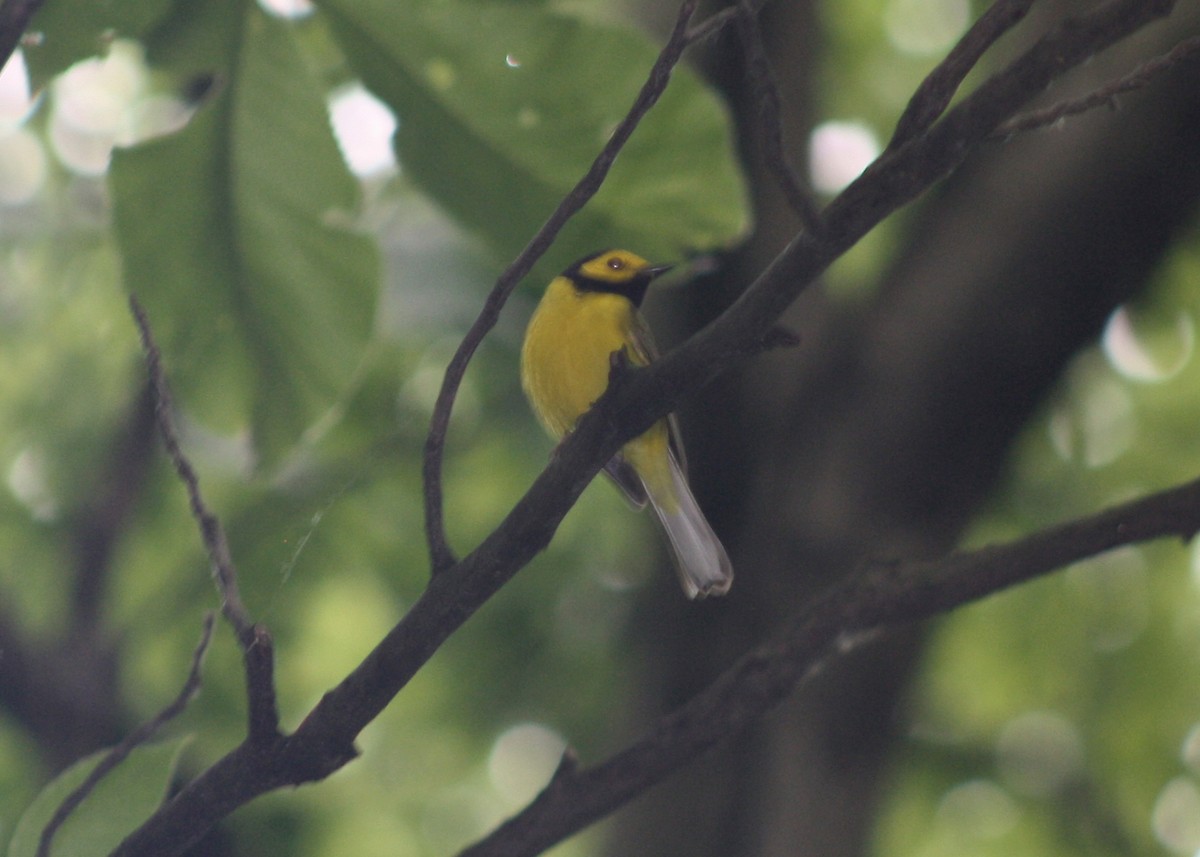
[(704, 567)]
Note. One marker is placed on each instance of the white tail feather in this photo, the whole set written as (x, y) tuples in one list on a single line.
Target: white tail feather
[(704, 567)]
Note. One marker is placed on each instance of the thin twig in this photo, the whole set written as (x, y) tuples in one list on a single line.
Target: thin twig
[(440, 554), (934, 94), (766, 96), (211, 530), (210, 526), (257, 651), (1105, 96), (135, 739)]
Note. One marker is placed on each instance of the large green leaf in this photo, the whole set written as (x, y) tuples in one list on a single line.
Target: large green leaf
[(234, 232), (503, 106), (120, 802)]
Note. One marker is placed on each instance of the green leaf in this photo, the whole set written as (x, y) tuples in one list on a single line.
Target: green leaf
[(235, 233), (66, 32), (502, 108), (121, 801)]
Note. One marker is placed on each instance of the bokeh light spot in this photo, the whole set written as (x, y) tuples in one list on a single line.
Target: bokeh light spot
[(1096, 426), (1148, 356), (1190, 751), (15, 100), (287, 9), (1176, 816), (977, 809), (22, 167), (364, 126), (1038, 753), (1112, 593), (522, 760), (94, 107), (839, 152), (28, 482)]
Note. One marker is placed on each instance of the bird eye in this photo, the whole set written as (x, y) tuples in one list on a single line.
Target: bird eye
[(616, 263)]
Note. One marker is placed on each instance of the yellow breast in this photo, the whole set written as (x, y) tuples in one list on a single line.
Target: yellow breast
[(565, 358)]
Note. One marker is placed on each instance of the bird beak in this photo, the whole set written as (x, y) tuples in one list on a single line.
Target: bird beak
[(653, 271)]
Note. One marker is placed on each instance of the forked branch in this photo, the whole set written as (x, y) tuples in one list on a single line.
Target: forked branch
[(324, 741)]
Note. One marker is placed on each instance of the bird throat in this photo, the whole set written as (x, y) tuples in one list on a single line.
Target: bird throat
[(634, 289)]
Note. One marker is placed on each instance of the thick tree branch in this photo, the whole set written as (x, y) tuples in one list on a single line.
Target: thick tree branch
[(324, 741), (934, 94), (879, 596)]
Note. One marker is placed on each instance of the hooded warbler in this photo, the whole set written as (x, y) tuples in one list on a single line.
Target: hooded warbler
[(588, 313)]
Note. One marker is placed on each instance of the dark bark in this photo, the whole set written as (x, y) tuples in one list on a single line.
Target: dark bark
[(884, 432)]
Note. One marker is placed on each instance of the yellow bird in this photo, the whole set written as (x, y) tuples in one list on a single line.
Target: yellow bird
[(587, 314)]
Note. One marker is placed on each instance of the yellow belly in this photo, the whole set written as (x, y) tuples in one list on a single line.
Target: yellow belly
[(566, 356)]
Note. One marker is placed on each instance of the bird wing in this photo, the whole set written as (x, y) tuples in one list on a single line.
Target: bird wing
[(623, 475), (646, 352)]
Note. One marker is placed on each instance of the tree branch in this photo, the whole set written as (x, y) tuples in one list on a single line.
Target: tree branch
[(895, 179), (934, 94), (1105, 96), (254, 639), (878, 597), (766, 96), (324, 741)]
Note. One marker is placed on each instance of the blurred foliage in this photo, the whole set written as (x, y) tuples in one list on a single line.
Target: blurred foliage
[(306, 315), (1061, 717), (502, 105)]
